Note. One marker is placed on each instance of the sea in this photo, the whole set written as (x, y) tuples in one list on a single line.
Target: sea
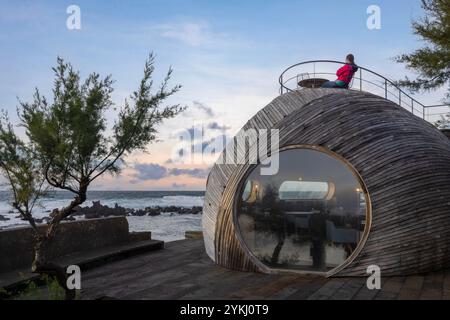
[(168, 226)]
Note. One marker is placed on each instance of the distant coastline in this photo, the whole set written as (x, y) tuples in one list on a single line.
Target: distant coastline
[(167, 226)]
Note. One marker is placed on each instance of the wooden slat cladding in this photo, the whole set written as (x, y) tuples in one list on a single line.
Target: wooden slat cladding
[(403, 161)]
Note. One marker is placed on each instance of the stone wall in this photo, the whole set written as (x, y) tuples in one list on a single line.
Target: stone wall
[(16, 244)]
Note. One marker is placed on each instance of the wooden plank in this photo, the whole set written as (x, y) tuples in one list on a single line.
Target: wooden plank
[(411, 288), (328, 289), (307, 287), (350, 288), (390, 289), (183, 271), (446, 286), (432, 288)]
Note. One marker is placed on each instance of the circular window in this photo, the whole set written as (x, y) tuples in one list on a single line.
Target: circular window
[(310, 216)]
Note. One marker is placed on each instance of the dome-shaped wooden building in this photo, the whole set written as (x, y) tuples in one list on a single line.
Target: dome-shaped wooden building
[(361, 181)]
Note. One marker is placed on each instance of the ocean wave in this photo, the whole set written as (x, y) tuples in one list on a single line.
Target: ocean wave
[(167, 226)]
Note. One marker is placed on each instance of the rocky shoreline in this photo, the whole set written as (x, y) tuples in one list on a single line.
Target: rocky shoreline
[(97, 210)]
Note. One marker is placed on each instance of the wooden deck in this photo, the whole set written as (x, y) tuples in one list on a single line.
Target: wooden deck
[(183, 271)]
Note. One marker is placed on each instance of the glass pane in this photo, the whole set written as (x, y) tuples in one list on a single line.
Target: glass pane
[(310, 216), (303, 190)]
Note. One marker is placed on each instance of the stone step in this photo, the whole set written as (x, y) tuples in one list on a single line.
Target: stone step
[(17, 280)]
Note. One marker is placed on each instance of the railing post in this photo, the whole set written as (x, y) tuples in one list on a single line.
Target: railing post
[(423, 113), (360, 79), (412, 105), (281, 84), (399, 98), (385, 90)]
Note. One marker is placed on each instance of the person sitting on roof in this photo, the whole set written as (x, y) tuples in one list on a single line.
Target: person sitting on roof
[(344, 74)]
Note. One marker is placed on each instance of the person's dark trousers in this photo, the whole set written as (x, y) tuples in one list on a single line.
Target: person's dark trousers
[(331, 84)]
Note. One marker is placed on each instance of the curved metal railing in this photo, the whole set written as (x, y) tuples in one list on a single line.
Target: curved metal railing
[(371, 82)]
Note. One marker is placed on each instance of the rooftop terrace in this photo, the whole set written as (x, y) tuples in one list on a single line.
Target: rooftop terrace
[(363, 80)]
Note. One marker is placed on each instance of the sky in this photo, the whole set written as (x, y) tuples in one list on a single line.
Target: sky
[(227, 55)]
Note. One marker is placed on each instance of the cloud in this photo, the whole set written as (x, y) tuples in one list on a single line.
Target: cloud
[(154, 171), (149, 171), (219, 142), (199, 132), (195, 132), (217, 126), (195, 173), (207, 110), (191, 33), (178, 186)]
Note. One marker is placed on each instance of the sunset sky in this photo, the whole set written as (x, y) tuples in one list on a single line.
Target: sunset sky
[(226, 54)]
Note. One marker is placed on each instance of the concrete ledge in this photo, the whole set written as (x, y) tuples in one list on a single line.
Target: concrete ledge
[(140, 236), (16, 244)]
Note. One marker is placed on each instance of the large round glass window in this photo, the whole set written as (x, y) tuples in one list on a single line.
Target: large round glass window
[(310, 216)]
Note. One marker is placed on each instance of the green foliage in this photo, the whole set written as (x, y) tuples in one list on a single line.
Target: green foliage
[(70, 133), (44, 288), (432, 62), (48, 289), (19, 165), (54, 290), (3, 292)]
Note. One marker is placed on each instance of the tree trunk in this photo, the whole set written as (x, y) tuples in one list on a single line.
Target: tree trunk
[(41, 263), (41, 266)]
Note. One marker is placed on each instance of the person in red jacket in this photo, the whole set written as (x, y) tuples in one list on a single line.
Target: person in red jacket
[(344, 74)]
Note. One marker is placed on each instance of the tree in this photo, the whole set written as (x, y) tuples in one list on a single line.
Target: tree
[(432, 62), (19, 166), (72, 144)]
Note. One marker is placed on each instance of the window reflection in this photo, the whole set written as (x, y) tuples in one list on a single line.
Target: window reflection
[(310, 216), (305, 190)]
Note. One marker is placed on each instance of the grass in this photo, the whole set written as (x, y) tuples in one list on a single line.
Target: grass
[(46, 288)]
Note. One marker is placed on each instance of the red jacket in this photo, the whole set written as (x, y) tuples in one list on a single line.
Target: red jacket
[(346, 73)]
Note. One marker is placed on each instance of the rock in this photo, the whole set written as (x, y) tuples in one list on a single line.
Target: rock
[(153, 211), (197, 210), (97, 210), (193, 210), (171, 209), (140, 213), (42, 220)]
